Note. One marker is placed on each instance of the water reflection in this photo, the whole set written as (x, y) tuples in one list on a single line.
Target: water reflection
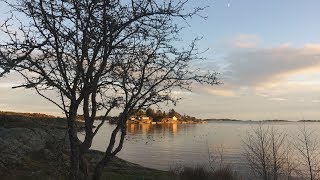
[(132, 128), (150, 129), (174, 129), (163, 145)]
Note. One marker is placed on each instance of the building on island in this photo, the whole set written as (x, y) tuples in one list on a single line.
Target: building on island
[(139, 120), (143, 119), (172, 119)]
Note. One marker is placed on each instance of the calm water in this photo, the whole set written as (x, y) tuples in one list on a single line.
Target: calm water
[(165, 146)]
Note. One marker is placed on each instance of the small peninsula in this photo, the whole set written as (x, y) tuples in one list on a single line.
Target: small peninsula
[(151, 116)]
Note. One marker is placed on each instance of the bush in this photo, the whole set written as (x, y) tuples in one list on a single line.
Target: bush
[(189, 173), (200, 172), (224, 174)]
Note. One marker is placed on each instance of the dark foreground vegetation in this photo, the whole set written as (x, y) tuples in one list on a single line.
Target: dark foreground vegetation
[(34, 146), (201, 172)]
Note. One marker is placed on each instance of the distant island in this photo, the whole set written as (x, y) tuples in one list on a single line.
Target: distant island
[(151, 116), (266, 120), (223, 119)]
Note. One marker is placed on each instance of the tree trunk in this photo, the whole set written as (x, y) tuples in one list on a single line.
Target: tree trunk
[(74, 159), (110, 153), (99, 168), (84, 167), (75, 155)]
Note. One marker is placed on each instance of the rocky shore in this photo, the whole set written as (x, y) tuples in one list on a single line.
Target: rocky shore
[(32, 148)]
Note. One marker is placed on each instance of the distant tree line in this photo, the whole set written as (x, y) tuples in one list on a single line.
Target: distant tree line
[(158, 115)]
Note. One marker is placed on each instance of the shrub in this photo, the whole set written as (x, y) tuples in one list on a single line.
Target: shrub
[(201, 172)]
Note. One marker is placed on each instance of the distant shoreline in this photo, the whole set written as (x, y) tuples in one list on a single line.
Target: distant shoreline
[(270, 120), (41, 116), (177, 122)]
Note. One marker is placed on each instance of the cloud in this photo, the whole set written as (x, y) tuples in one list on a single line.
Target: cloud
[(316, 101), (244, 41), (7, 85), (181, 93), (277, 99), (266, 66), (271, 73), (263, 95), (216, 91)]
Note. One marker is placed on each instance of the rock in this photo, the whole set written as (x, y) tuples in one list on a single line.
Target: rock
[(16, 143), (48, 154)]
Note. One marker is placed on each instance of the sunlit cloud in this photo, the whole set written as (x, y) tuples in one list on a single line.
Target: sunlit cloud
[(180, 93), (271, 73), (222, 92), (244, 41), (263, 95), (316, 101), (277, 99), (312, 47), (285, 45), (293, 83), (260, 67), (7, 84)]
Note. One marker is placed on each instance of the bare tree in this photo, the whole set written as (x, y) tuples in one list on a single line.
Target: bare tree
[(257, 146), (290, 167), (278, 152), (100, 55), (216, 157), (307, 146), (265, 152)]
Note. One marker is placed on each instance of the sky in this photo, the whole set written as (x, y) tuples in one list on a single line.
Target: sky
[(267, 54)]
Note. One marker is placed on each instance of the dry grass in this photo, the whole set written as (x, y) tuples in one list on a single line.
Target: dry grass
[(33, 120), (201, 172)]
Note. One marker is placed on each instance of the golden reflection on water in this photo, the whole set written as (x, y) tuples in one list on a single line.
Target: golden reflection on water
[(132, 129), (174, 129), (146, 129)]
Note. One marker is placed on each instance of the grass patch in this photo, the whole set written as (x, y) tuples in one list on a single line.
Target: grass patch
[(33, 120)]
